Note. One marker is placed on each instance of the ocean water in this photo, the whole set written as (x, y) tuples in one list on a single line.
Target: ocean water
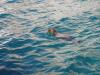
[(27, 49)]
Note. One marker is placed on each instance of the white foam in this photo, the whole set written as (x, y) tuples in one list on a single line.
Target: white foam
[(2, 10), (2, 1)]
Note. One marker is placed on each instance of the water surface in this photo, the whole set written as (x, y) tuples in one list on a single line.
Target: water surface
[(26, 49)]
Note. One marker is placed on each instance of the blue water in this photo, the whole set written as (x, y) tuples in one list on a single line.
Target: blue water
[(26, 48)]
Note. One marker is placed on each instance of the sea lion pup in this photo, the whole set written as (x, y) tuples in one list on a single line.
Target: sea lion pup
[(53, 32)]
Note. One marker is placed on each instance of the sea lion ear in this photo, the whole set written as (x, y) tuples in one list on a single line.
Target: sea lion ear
[(49, 30)]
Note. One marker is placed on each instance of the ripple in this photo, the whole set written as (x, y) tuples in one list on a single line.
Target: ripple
[(14, 1), (9, 72)]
